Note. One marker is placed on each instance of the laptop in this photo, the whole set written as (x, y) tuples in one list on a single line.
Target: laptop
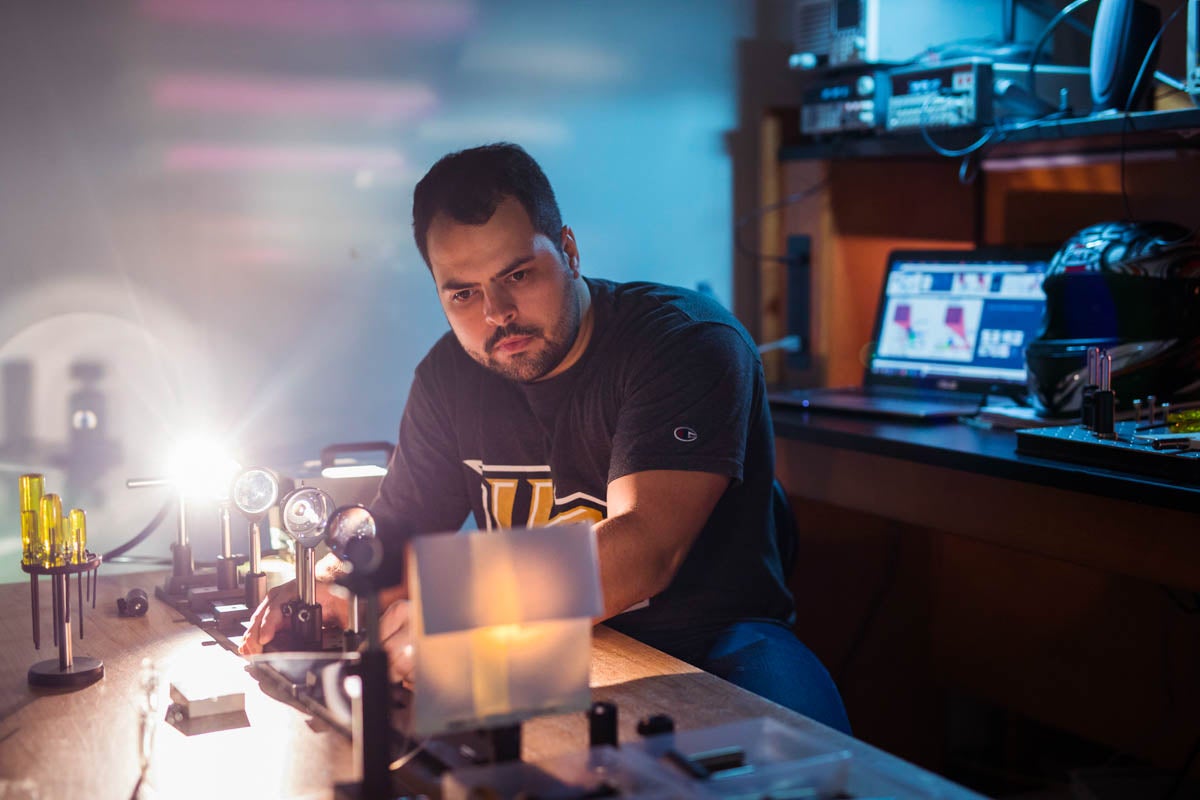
[(950, 334)]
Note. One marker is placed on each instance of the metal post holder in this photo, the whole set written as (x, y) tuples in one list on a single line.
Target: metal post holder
[(68, 670)]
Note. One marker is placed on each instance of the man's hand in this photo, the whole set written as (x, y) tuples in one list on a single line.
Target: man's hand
[(396, 636), (268, 617)]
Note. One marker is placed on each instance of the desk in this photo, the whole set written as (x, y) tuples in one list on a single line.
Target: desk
[(84, 744), (971, 482), (935, 562)]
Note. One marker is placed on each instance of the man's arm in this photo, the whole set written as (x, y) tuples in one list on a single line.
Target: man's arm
[(654, 517)]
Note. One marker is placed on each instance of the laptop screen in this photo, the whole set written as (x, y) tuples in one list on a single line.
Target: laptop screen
[(958, 320)]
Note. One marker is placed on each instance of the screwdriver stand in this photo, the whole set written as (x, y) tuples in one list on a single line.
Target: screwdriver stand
[(67, 670)]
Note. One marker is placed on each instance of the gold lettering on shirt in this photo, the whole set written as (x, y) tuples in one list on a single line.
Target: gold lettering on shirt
[(531, 488)]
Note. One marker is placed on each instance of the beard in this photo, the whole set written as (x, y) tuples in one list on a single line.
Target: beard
[(545, 352)]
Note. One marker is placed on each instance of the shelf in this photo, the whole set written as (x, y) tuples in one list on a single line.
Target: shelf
[(1080, 136)]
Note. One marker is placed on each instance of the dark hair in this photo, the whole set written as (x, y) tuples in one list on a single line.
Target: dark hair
[(469, 185)]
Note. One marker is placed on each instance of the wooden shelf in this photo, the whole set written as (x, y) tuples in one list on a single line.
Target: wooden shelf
[(1079, 136)]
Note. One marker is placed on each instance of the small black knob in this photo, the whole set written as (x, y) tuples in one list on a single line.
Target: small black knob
[(135, 603), (655, 725), (602, 724)]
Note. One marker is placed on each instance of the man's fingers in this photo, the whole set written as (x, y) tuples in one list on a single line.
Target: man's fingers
[(265, 621), (254, 641), (400, 656), (394, 619)]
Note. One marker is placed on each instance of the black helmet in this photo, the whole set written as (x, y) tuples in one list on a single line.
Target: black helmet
[(1133, 289)]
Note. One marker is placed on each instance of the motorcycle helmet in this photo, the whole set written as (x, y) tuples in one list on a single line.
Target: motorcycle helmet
[(1132, 289)]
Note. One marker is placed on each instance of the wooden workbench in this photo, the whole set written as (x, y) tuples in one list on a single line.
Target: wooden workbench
[(85, 743)]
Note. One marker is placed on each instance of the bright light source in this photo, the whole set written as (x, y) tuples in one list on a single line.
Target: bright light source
[(200, 466)]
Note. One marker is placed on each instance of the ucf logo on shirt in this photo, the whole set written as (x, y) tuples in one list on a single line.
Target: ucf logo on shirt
[(516, 496)]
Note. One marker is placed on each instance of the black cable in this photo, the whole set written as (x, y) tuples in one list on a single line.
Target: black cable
[(1133, 93), (143, 533), (1192, 608), (1047, 32), (757, 213), (942, 150), (993, 135), (891, 569)]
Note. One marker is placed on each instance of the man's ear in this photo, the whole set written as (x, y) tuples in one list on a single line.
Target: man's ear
[(571, 250)]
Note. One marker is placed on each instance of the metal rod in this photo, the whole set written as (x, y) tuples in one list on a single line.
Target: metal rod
[(183, 532), (306, 570), (141, 483), (226, 534), (37, 612), (63, 621), (255, 547), (352, 622), (1093, 358), (79, 591), (1105, 373), (54, 610)]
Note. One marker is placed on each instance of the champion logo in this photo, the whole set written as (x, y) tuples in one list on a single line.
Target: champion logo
[(686, 434)]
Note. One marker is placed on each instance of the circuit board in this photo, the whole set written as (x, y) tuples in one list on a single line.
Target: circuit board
[(1131, 451)]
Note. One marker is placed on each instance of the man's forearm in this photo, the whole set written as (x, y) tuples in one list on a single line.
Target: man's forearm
[(634, 565)]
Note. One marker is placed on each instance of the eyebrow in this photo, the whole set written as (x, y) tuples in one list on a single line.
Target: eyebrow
[(454, 286)]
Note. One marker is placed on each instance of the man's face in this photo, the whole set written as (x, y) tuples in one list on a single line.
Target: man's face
[(508, 293)]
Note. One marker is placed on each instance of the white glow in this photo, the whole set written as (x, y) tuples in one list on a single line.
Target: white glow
[(355, 471), (200, 466)]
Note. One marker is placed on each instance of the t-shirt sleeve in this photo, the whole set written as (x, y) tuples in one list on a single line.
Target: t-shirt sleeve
[(423, 490), (687, 404)]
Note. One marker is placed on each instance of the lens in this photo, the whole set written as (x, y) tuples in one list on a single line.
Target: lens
[(347, 524), (255, 491), (305, 514)]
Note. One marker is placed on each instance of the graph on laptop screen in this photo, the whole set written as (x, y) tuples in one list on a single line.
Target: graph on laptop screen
[(965, 321)]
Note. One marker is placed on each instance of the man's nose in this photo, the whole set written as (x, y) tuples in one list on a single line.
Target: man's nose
[(498, 307)]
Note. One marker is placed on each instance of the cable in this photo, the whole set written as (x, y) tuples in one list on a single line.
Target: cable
[(1186, 608), (1041, 42), (142, 534), (946, 151), (993, 135), (791, 199), (891, 568), (1133, 93)]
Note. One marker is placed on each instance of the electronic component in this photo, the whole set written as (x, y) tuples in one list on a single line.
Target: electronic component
[(842, 102), (973, 92), (843, 32)]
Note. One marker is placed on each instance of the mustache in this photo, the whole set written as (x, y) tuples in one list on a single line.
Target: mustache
[(506, 331)]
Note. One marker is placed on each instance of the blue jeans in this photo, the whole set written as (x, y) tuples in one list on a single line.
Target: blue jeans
[(764, 657)]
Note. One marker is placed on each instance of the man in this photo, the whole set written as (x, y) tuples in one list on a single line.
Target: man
[(558, 398)]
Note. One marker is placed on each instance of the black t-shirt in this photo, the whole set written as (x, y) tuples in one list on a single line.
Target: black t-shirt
[(669, 380)]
